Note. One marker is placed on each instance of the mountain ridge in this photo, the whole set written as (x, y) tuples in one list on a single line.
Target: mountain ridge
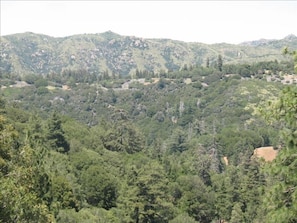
[(263, 41), (114, 34), (123, 55)]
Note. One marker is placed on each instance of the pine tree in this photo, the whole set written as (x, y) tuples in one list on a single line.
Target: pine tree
[(146, 198), (281, 196), (122, 135), (220, 62), (237, 214), (56, 135), (207, 62), (286, 51)]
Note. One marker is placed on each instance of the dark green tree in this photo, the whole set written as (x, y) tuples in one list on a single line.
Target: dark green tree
[(197, 199), (61, 195), (99, 187), (293, 53), (178, 141), (122, 135), (147, 200), (207, 62), (225, 193), (56, 135), (220, 63)]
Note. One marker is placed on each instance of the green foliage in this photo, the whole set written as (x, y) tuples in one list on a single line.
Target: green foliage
[(184, 217), (7, 144), (147, 200), (41, 82), (99, 187), (224, 194), (88, 215), (19, 204), (284, 112), (293, 54), (235, 141), (30, 78), (280, 200), (197, 199), (55, 134), (24, 184), (61, 194), (42, 90), (220, 63), (177, 142), (237, 214), (122, 135), (152, 153)]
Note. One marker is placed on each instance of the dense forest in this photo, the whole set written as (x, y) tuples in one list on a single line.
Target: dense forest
[(173, 146)]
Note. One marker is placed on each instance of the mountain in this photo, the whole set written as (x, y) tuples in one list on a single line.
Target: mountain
[(97, 53), (288, 40)]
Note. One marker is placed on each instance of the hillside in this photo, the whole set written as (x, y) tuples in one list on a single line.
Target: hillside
[(175, 148), (97, 53), (200, 144), (99, 154)]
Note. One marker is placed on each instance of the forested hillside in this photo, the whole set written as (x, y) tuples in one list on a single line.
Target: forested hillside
[(27, 53), (173, 146)]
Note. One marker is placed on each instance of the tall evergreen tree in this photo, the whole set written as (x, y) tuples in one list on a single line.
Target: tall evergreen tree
[(281, 197), (207, 62), (147, 199), (122, 135), (237, 214), (293, 54), (55, 135), (220, 63)]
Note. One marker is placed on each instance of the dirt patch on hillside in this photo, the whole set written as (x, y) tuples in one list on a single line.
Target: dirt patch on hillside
[(226, 160), (188, 81), (154, 80), (267, 153), (289, 79), (20, 84)]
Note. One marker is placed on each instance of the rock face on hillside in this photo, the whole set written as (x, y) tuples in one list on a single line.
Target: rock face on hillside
[(98, 53)]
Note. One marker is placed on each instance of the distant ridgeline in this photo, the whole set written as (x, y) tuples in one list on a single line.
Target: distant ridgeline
[(113, 54)]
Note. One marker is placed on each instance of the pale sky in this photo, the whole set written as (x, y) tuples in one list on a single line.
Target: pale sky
[(189, 21)]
